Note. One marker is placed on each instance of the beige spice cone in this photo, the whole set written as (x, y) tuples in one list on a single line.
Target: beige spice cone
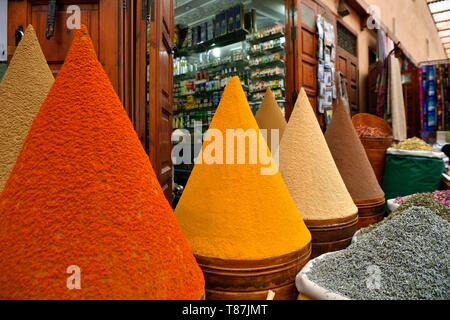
[(23, 89), (309, 170)]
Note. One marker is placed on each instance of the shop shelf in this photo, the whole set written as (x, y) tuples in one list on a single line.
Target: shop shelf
[(267, 51), (238, 63), (184, 76), (266, 38), (260, 101), (269, 77), (274, 63), (184, 95), (229, 38), (196, 109), (264, 90)]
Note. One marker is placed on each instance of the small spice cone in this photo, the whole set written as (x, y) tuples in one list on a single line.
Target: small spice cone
[(269, 117)]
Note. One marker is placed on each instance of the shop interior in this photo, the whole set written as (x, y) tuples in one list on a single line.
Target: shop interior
[(215, 40)]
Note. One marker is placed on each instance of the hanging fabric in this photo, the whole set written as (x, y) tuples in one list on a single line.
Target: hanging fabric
[(396, 104), (435, 96), (381, 79)]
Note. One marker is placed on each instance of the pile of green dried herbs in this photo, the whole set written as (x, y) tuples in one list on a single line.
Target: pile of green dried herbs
[(405, 257), (426, 200)]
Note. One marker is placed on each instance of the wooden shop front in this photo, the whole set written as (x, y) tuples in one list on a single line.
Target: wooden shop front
[(135, 43)]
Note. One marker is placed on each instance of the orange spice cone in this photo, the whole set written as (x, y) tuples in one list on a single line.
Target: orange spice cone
[(22, 91), (270, 117), (314, 181), (242, 224), (352, 162), (83, 195)]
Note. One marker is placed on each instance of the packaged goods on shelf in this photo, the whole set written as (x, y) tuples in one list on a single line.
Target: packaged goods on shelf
[(263, 85), (269, 31), (182, 66), (260, 73), (271, 44), (277, 56), (278, 93), (267, 64)]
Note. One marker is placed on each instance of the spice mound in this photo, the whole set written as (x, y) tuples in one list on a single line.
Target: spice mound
[(414, 144), (232, 211), (22, 91), (370, 132), (438, 201), (309, 170), (270, 118), (83, 207), (405, 258), (351, 158)]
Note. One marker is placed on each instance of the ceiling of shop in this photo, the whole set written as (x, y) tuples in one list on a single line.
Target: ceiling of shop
[(190, 12), (440, 10)]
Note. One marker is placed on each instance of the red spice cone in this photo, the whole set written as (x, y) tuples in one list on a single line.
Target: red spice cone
[(83, 193)]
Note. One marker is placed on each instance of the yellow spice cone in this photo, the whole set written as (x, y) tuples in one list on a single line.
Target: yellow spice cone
[(309, 169), (232, 211), (22, 91), (270, 117)]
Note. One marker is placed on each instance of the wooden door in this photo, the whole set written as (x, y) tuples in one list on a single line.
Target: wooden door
[(348, 65), (160, 146), (134, 62), (100, 16), (301, 42)]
